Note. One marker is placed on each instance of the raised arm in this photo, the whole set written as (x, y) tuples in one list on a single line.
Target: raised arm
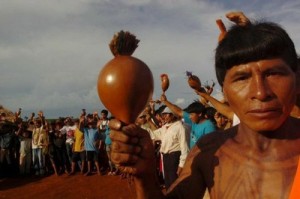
[(81, 122), (174, 108), (222, 108)]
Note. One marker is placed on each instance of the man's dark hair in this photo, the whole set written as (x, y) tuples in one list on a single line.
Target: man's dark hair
[(90, 116), (160, 109), (195, 107), (104, 111), (210, 113), (253, 42)]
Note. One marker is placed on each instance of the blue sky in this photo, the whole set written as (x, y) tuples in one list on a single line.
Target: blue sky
[(52, 51)]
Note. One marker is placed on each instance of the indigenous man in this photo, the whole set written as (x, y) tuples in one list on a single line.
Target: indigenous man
[(256, 64)]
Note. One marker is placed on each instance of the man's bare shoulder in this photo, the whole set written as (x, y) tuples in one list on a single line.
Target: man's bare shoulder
[(214, 140), (200, 163)]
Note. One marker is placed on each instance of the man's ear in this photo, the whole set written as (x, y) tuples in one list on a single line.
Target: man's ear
[(224, 95)]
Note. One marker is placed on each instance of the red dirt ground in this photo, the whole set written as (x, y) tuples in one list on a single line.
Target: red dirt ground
[(64, 186)]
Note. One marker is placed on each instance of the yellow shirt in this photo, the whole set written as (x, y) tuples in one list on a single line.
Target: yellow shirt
[(79, 141)]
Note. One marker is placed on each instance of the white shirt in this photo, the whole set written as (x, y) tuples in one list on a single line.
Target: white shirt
[(235, 120), (173, 138), (69, 131)]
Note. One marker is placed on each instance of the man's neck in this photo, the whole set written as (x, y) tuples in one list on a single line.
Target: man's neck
[(201, 120), (263, 141)]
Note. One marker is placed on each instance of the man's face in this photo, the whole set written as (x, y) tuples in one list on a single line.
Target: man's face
[(195, 117), (103, 116), (90, 120), (38, 124), (141, 120), (220, 119), (167, 117), (261, 93)]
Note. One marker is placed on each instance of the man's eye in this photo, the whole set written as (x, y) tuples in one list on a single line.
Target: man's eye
[(274, 73), (240, 78)]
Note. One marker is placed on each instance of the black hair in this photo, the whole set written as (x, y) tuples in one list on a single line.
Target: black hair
[(104, 111), (253, 42), (160, 109), (195, 107), (210, 113)]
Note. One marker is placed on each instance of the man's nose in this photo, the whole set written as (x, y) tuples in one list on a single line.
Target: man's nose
[(260, 88)]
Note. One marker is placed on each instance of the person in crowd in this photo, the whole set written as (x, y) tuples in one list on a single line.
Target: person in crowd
[(112, 167), (102, 122), (157, 119), (222, 107), (51, 147), (39, 142), (7, 135), (257, 158), (174, 147), (68, 129), (144, 120), (194, 115), (150, 121), (209, 113), (25, 149), (222, 122), (102, 125), (91, 142), (79, 153), (59, 143), (219, 120)]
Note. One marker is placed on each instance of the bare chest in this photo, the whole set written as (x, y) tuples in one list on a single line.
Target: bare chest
[(241, 176)]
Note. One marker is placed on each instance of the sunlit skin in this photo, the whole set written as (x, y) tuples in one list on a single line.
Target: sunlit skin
[(195, 117), (167, 117), (261, 93), (103, 116), (141, 120)]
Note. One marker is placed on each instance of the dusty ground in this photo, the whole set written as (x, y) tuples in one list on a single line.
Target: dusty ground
[(77, 186)]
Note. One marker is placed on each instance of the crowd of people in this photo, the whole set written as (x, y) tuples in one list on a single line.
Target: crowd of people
[(39, 146)]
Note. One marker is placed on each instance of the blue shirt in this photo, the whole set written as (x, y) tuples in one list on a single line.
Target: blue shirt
[(91, 135), (198, 129), (107, 138)]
